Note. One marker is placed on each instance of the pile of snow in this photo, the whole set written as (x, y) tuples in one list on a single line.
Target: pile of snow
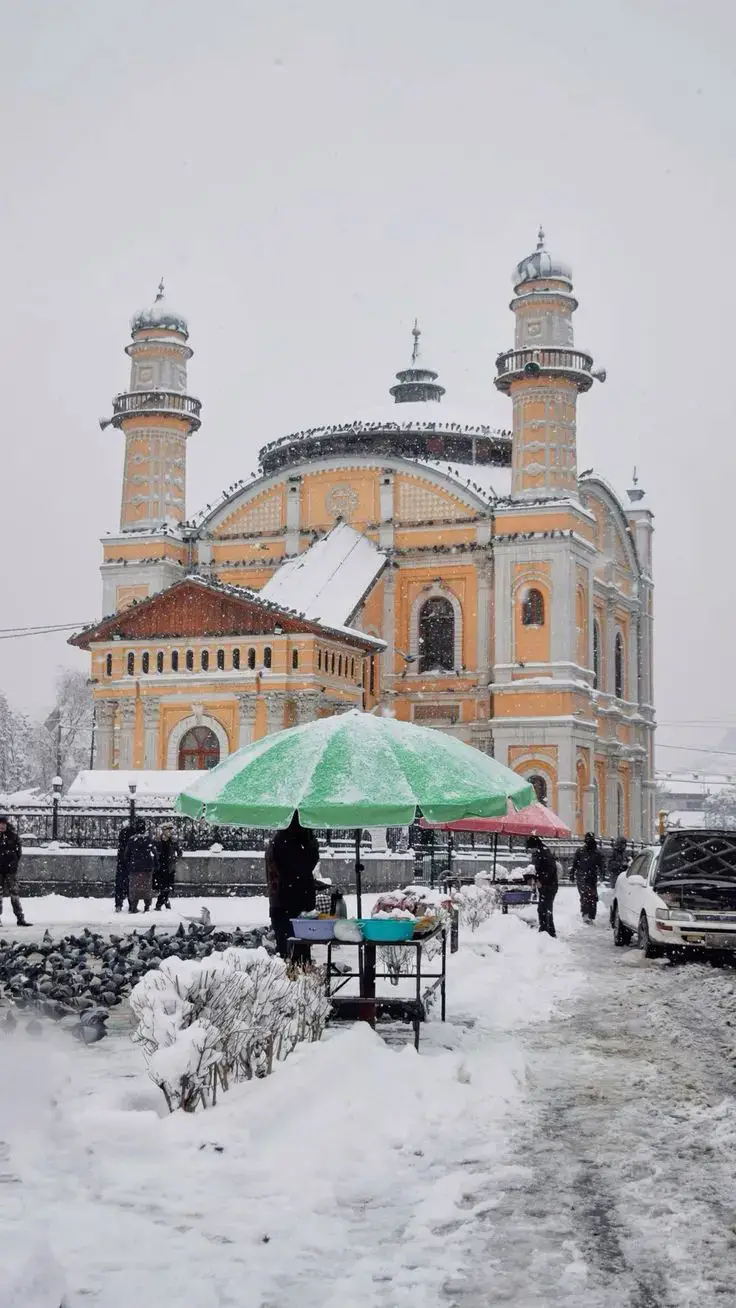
[(107, 784), (328, 581)]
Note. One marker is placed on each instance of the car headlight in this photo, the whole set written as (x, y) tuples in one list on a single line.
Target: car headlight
[(673, 915)]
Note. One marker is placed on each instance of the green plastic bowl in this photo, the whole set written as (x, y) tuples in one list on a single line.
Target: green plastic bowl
[(386, 930)]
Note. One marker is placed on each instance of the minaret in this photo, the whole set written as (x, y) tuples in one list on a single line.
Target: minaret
[(416, 383), (544, 374), (157, 416)]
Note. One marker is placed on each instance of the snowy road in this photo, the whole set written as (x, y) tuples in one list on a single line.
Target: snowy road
[(568, 1139), (618, 1187)]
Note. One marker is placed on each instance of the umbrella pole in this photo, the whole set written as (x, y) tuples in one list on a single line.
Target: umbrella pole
[(495, 854), (358, 873)]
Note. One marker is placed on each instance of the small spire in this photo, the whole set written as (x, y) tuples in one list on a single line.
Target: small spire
[(540, 238), (634, 478), (416, 333), (160, 295)]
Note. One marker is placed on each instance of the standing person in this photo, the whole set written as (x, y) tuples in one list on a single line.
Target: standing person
[(10, 852), (618, 861), (545, 870), (139, 861), (121, 876), (168, 853), (587, 866), (291, 857)]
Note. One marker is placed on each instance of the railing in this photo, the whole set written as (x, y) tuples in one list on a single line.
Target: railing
[(528, 362), (132, 403)]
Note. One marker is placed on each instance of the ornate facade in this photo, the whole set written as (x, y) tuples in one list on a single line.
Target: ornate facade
[(499, 594)]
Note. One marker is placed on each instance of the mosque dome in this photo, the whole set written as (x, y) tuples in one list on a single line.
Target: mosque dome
[(159, 314), (541, 264)]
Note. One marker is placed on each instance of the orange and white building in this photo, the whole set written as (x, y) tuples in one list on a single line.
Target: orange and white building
[(468, 578)]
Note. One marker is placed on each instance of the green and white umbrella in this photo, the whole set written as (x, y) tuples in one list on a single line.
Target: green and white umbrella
[(354, 770)]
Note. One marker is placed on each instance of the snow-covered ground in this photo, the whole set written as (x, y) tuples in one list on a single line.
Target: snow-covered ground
[(568, 1137)]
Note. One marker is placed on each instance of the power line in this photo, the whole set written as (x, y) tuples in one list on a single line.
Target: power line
[(695, 749), (17, 633)]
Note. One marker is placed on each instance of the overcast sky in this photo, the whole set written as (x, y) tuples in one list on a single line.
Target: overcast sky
[(308, 177)]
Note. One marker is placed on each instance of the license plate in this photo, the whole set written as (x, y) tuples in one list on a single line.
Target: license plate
[(721, 940)]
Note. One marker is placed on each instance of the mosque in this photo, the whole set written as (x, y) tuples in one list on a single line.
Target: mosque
[(464, 577)]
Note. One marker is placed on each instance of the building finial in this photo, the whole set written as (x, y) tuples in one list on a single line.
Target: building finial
[(635, 478), (416, 333), (160, 295), (540, 238)]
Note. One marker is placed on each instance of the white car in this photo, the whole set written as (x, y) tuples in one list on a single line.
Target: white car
[(679, 895)]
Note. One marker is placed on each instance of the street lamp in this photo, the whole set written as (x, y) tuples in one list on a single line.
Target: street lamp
[(132, 787), (56, 786)]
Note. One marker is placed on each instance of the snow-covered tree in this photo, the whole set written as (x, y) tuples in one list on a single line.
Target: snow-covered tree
[(61, 745), (720, 808), (16, 749)]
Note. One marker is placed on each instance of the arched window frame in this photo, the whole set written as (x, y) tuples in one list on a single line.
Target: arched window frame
[(251, 659), (267, 657), (437, 591), (180, 730), (236, 659), (533, 607), (160, 661), (130, 663), (319, 660), (189, 660), (145, 662), (541, 788), (204, 660), (220, 660), (108, 665), (294, 659), (619, 665), (174, 660)]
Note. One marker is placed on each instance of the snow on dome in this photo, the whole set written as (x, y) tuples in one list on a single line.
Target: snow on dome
[(160, 314), (541, 264), (417, 413)]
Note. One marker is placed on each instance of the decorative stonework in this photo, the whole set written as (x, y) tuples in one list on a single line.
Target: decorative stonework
[(418, 502), (342, 501), (197, 719)]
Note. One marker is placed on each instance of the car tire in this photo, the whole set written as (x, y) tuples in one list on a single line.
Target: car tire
[(646, 944), (622, 935)]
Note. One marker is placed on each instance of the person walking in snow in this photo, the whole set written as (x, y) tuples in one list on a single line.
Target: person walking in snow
[(139, 861), (168, 853), (291, 857), (10, 852), (545, 871), (618, 860), (587, 866), (121, 876)]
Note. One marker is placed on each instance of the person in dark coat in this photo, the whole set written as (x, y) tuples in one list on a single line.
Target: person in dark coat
[(587, 866), (618, 860), (139, 861), (121, 876), (291, 857), (545, 871), (10, 852), (168, 853)]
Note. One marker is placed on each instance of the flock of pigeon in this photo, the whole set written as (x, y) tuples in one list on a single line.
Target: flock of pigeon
[(77, 980)]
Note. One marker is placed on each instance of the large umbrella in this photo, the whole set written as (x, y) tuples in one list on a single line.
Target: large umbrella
[(353, 770), (534, 820)]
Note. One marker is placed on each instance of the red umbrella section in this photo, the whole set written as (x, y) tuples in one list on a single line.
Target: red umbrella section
[(534, 820)]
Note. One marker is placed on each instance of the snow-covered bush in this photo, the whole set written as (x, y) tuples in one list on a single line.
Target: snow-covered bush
[(475, 903), (206, 1024)]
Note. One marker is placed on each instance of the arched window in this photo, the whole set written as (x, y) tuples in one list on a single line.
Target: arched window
[(204, 660), (596, 655), (220, 660), (108, 666), (352, 669), (332, 663), (251, 659), (436, 635), (145, 661), (190, 660), (236, 659), (540, 787), (295, 658), (319, 660), (267, 657), (339, 665), (199, 749), (174, 660), (620, 809), (619, 686), (160, 661), (532, 609), (131, 663)]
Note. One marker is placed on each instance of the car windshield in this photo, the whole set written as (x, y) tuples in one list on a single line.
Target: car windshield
[(697, 856)]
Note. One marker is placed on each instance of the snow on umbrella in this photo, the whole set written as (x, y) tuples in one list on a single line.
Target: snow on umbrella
[(354, 770)]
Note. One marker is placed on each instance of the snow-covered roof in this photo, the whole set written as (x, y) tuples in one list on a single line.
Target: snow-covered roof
[(117, 783), (328, 581), (485, 479), (160, 314), (689, 783)]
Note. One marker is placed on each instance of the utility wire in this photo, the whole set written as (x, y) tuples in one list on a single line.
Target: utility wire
[(17, 633)]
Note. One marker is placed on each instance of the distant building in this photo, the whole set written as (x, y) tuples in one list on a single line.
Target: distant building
[(468, 578), (695, 799)]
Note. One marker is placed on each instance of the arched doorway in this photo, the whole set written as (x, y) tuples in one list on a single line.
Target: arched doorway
[(199, 750), (540, 787), (436, 635)]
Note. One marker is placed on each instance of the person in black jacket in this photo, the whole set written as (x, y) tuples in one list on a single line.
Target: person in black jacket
[(168, 853), (139, 861), (121, 876), (618, 860), (291, 857), (587, 866), (10, 852), (545, 869)]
